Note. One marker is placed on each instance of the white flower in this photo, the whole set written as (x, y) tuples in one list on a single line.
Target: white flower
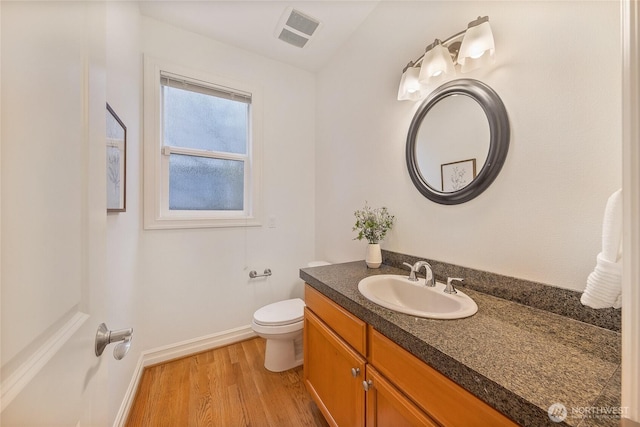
[(372, 224)]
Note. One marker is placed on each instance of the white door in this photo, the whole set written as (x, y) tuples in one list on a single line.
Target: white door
[(52, 213)]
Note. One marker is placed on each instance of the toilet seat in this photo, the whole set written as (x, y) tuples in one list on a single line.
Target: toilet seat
[(277, 332), (280, 313)]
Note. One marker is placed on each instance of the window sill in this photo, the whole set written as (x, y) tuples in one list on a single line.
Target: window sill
[(172, 223)]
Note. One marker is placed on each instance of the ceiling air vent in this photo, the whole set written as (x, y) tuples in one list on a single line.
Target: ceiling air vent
[(296, 28)]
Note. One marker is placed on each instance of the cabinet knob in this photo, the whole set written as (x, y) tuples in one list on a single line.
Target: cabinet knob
[(355, 372), (367, 385)]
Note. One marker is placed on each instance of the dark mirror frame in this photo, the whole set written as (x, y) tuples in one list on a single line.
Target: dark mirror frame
[(499, 130)]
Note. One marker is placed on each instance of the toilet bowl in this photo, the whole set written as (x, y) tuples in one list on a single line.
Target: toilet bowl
[(281, 325)]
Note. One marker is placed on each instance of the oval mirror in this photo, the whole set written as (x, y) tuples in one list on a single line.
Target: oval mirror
[(457, 142)]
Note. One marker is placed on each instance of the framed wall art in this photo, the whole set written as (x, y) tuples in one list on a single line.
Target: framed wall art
[(116, 162)]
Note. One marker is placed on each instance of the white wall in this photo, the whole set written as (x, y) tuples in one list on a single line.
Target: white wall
[(176, 285), (541, 219), (196, 282)]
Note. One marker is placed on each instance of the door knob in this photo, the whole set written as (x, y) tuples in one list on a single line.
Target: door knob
[(122, 349), (104, 337)]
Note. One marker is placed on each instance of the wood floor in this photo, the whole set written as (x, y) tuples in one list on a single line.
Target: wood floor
[(227, 387)]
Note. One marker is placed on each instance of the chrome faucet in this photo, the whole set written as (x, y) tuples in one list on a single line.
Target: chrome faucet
[(415, 268)]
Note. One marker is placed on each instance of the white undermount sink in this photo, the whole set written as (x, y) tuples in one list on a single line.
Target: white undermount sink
[(398, 293)]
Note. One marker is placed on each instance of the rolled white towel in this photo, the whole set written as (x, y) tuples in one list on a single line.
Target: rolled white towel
[(591, 301), (605, 293), (618, 303), (601, 293), (594, 300), (604, 284), (612, 228), (608, 267), (602, 287), (599, 277)]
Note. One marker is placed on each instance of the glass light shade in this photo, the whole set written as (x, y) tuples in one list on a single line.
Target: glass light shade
[(478, 47), (410, 88), (436, 65)]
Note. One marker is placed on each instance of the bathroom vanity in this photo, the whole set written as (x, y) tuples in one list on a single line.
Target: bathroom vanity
[(506, 365)]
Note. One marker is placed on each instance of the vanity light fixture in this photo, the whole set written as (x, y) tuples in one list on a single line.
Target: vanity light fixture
[(410, 88), (470, 49), (477, 48), (437, 64)]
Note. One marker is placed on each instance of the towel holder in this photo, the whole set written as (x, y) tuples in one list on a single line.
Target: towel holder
[(253, 274)]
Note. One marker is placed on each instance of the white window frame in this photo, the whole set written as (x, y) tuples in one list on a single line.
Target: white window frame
[(157, 214)]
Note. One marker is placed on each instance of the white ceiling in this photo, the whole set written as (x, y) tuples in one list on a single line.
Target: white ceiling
[(251, 25)]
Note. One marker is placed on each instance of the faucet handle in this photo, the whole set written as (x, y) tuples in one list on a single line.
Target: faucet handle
[(412, 274), (450, 289)]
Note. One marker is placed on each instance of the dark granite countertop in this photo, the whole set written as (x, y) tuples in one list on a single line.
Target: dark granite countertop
[(519, 359)]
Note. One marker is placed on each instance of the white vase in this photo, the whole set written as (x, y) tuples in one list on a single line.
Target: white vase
[(374, 255)]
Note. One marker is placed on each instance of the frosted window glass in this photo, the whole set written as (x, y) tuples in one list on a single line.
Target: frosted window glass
[(204, 122), (201, 183)]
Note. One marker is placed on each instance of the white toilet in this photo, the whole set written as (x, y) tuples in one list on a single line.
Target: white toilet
[(281, 325)]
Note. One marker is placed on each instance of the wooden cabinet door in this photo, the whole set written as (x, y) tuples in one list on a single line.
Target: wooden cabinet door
[(387, 406), (333, 374), (351, 330)]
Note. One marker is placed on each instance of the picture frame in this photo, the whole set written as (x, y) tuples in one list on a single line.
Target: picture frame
[(457, 175), (116, 146)]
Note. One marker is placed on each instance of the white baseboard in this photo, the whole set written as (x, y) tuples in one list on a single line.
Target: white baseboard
[(175, 351)]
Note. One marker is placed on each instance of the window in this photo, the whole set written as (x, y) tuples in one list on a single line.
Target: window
[(201, 145)]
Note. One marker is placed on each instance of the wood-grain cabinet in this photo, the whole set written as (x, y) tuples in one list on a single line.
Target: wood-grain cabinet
[(359, 377)]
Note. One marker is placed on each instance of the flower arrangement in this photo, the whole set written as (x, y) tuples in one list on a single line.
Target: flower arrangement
[(372, 224)]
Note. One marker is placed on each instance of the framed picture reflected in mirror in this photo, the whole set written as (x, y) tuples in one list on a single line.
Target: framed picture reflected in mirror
[(116, 140), (457, 175)]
